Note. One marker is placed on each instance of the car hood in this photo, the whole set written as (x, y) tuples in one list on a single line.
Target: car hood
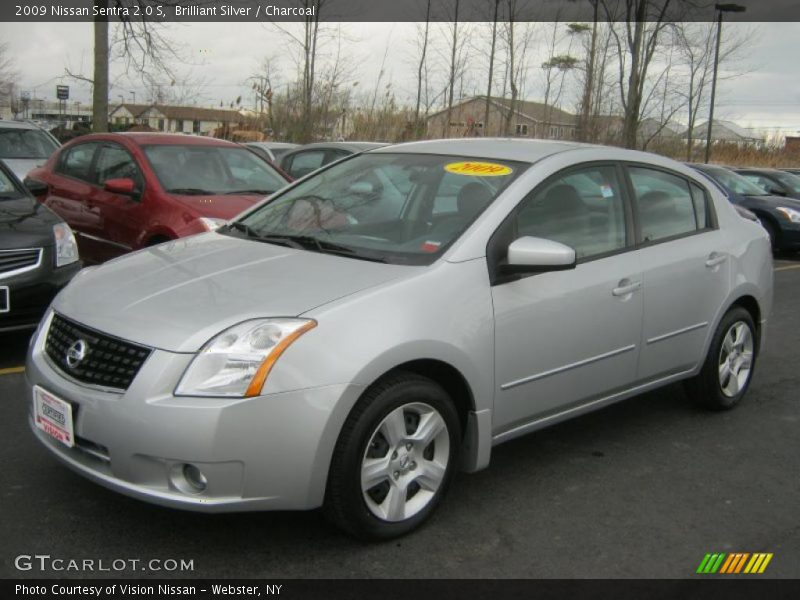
[(22, 166), (24, 223), (219, 206), (177, 295)]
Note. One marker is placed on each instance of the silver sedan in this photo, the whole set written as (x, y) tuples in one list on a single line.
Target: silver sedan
[(359, 337)]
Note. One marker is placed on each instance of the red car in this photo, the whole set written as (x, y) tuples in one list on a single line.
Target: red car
[(124, 191)]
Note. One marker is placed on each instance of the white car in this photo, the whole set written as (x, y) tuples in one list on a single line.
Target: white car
[(25, 146)]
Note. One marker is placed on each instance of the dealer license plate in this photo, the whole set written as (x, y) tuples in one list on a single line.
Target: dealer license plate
[(53, 416)]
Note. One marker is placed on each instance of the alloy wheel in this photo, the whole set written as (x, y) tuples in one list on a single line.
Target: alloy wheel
[(735, 359), (405, 462)]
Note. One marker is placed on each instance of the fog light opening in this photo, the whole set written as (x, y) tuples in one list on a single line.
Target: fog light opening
[(195, 478)]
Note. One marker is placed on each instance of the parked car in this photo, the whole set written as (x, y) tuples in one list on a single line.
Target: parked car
[(779, 216), (307, 159), (25, 146), (774, 181), (793, 170), (271, 151), (38, 255), (340, 346), (125, 191)]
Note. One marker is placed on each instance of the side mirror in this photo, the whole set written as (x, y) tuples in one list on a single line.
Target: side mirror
[(36, 187), (776, 191), (537, 255), (123, 186)]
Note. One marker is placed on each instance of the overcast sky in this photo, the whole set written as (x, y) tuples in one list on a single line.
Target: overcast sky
[(224, 55)]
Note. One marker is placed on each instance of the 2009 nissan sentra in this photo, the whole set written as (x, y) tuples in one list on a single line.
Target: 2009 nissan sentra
[(364, 334)]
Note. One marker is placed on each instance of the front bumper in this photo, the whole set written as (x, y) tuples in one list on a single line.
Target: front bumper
[(30, 293), (266, 453), (789, 236)]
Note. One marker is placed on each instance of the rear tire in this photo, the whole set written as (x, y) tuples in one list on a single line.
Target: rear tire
[(394, 459), (728, 368)]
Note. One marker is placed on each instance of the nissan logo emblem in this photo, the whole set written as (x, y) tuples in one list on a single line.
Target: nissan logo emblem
[(76, 353)]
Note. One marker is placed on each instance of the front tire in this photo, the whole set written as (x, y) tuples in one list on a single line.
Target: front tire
[(394, 459), (728, 368)]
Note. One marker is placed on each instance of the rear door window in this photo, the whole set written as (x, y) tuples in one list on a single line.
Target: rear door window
[(76, 161), (666, 205)]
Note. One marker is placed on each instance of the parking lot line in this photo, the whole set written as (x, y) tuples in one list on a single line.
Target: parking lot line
[(787, 268), (12, 370)]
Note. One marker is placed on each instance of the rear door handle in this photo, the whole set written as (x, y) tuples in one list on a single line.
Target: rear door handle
[(715, 258), (625, 287)]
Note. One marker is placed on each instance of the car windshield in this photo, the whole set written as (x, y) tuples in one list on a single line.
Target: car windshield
[(736, 183), (25, 143), (396, 208), (787, 179), (204, 170)]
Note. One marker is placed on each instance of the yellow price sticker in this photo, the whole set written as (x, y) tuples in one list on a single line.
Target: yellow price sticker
[(478, 169)]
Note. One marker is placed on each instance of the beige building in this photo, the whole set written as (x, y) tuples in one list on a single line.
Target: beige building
[(527, 119), (176, 119)]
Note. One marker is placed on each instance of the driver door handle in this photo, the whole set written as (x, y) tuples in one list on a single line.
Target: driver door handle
[(715, 258), (625, 287)]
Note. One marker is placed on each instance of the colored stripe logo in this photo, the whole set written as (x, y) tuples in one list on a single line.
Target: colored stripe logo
[(734, 563)]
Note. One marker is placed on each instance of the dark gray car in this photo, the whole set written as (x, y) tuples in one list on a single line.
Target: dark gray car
[(307, 159)]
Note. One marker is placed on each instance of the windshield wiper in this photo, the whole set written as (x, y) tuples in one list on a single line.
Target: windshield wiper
[(259, 192), (191, 191), (302, 242), (331, 248)]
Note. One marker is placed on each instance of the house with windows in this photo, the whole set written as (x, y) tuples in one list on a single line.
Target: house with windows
[(176, 119), (126, 114), (522, 118)]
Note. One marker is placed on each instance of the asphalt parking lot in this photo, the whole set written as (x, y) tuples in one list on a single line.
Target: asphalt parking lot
[(642, 489)]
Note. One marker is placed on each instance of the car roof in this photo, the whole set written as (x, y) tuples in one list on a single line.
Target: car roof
[(352, 146), (494, 148), (18, 125), (272, 144), (157, 138)]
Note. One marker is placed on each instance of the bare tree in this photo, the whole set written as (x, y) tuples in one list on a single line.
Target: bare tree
[(424, 35), (695, 46), (306, 44), (556, 68), (453, 67), (636, 26), (141, 45), (8, 79), (491, 65)]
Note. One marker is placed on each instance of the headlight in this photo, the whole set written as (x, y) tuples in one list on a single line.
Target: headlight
[(235, 364), (66, 246), (790, 213), (211, 224)]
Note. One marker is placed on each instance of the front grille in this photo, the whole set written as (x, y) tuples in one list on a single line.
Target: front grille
[(108, 361), (17, 260)]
